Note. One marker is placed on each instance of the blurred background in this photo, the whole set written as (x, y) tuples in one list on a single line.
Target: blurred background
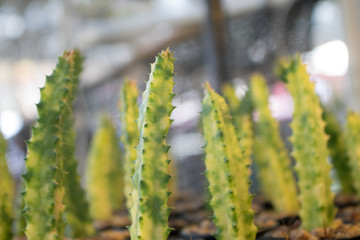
[(213, 40)]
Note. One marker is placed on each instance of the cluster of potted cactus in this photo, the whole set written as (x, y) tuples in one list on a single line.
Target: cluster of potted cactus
[(57, 207)]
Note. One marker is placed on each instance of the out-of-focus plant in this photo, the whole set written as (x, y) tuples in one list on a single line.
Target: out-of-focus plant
[(338, 151), (129, 112), (104, 172), (6, 195), (353, 146), (241, 110), (276, 177)]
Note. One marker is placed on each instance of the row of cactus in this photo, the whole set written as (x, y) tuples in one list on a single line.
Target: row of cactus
[(310, 143), (53, 196), (55, 200)]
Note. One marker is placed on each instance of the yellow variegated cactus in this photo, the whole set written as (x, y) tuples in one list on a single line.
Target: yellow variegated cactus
[(149, 211), (241, 120), (274, 165), (310, 147), (226, 172), (49, 153), (104, 173)]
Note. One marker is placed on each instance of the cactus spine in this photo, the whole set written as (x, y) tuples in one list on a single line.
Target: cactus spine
[(310, 149), (226, 171), (353, 143), (104, 172), (45, 167), (129, 112), (338, 151), (6, 195), (274, 165), (150, 212)]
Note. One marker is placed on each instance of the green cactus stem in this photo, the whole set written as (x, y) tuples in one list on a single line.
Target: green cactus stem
[(77, 207), (276, 177), (45, 160), (226, 171), (6, 195), (310, 148), (104, 172), (338, 151), (150, 212), (241, 113), (129, 112), (352, 136)]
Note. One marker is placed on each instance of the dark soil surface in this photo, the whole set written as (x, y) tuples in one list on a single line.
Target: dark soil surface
[(191, 221)]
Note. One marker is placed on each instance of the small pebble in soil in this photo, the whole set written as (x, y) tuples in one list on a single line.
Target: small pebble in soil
[(206, 227), (301, 234), (115, 235)]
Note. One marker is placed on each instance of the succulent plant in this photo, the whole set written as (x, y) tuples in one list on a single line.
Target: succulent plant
[(338, 151), (226, 171), (77, 207), (239, 109), (6, 195), (310, 147), (104, 173), (149, 211), (275, 173), (353, 143), (45, 189), (232, 100), (129, 112)]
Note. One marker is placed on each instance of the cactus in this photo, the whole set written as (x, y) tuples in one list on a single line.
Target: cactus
[(77, 207), (226, 171), (274, 165), (352, 136), (241, 112), (150, 212), (338, 151), (310, 148), (231, 99), (6, 195), (104, 172), (129, 112), (45, 159)]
